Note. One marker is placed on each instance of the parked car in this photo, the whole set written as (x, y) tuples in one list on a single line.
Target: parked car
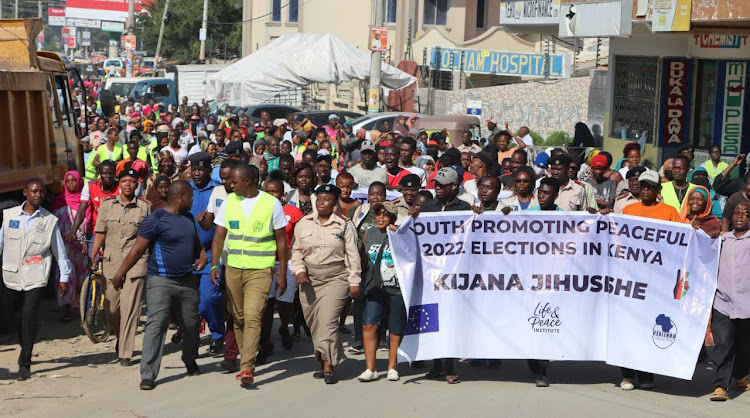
[(160, 89), (375, 121), (148, 65), (320, 117), (275, 110)]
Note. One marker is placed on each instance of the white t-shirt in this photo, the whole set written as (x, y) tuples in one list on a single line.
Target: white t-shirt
[(179, 155), (194, 149), (278, 219), (416, 170), (218, 196)]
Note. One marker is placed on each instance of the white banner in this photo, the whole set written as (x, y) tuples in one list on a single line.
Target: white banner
[(360, 194), (632, 292)]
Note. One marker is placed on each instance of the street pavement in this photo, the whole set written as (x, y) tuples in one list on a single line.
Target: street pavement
[(73, 377)]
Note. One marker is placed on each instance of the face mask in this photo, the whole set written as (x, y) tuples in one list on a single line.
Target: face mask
[(82, 124)]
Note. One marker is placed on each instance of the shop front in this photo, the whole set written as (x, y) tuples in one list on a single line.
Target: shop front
[(678, 90)]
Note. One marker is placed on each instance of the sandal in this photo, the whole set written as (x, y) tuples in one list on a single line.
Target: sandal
[(452, 379)]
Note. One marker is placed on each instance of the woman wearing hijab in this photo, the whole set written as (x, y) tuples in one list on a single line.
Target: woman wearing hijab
[(259, 147), (696, 211), (262, 165), (65, 207), (326, 263), (583, 137)]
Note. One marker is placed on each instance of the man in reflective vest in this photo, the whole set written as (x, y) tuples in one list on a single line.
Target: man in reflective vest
[(29, 238), (88, 159), (253, 223)]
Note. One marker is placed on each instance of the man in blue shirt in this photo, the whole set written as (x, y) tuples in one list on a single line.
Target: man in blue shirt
[(210, 306), (172, 282)]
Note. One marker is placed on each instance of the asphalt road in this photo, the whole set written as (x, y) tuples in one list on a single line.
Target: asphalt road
[(73, 377)]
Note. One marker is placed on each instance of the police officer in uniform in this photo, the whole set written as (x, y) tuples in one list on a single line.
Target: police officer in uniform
[(633, 195), (326, 263), (116, 230), (234, 151), (210, 306), (409, 186), (29, 238)]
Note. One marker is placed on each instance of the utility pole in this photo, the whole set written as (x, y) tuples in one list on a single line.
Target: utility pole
[(373, 91), (15, 12), (39, 7), (131, 17), (204, 31), (161, 36)]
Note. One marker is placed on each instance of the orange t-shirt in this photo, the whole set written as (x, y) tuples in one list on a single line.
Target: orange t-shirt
[(501, 155), (658, 211)]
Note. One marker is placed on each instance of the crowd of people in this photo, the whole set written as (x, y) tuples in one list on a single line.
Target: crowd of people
[(218, 218)]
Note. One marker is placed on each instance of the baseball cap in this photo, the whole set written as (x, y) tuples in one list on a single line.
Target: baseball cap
[(279, 121), (492, 120), (485, 157), (367, 146), (332, 116), (446, 175), (651, 177), (388, 206), (410, 180), (210, 127), (635, 172), (599, 160), (541, 159), (300, 133)]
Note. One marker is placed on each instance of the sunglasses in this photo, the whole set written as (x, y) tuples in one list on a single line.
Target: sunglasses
[(523, 180)]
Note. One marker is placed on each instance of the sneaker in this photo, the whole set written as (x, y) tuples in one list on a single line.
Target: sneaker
[(246, 378), (216, 348), (383, 346), (720, 395), (147, 384), (368, 376), (741, 384), (356, 349), (393, 375), (627, 385), (232, 366), (126, 362), (542, 381)]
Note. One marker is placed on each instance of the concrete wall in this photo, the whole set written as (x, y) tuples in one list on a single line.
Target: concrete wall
[(544, 107)]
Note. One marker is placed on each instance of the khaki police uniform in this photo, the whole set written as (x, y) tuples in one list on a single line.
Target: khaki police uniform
[(572, 197), (402, 210), (328, 252), (623, 201), (120, 221)]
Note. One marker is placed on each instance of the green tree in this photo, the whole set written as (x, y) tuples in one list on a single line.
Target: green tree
[(180, 42), (558, 139), (538, 139)]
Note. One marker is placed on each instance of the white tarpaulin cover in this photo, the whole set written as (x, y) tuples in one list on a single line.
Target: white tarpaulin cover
[(296, 60)]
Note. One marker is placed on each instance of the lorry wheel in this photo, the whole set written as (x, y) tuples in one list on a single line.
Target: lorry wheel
[(108, 103)]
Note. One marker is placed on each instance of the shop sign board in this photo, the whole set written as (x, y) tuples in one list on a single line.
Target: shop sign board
[(671, 15), (674, 120), (56, 16), (530, 12), (734, 102), (511, 63)]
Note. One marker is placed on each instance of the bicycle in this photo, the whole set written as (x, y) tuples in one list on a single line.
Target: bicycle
[(93, 305)]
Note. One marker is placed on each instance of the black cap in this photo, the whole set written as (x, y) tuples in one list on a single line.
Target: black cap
[(328, 188), (486, 158), (635, 172), (324, 157), (200, 159), (410, 180), (233, 148), (128, 173), (560, 159)]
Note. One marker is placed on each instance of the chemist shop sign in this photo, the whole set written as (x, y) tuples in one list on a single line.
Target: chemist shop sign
[(735, 83), (674, 120)]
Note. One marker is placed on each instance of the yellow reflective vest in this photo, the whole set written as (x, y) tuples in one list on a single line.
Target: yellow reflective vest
[(251, 243)]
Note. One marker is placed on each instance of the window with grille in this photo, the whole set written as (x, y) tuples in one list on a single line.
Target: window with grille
[(635, 85)]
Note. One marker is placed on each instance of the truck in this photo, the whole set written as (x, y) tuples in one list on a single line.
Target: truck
[(41, 137)]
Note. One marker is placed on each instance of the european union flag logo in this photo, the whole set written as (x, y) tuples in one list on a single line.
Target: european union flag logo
[(234, 224), (14, 224), (423, 319)]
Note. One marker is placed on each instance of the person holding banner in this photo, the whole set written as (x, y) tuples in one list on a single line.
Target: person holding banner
[(523, 191), (649, 184), (674, 192), (730, 322), (572, 196), (326, 263), (446, 199), (488, 190), (696, 211), (409, 186), (382, 294), (633, 195)]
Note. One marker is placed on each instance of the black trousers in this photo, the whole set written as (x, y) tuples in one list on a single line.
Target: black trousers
[(731, 353), (25, 308), (643, 377)]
